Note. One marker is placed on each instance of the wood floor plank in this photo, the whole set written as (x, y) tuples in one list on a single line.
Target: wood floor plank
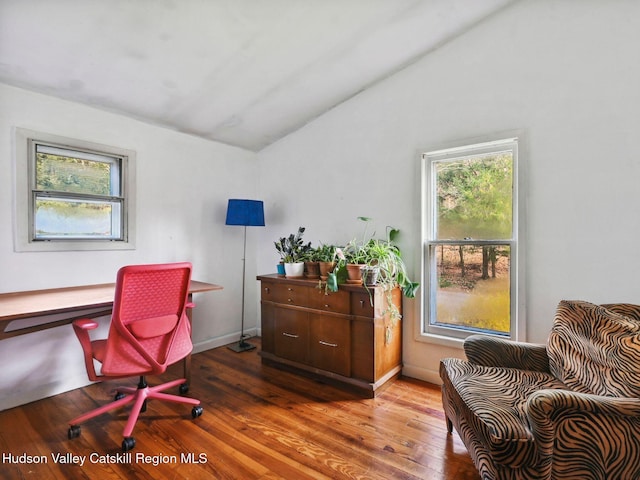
[(259, 422)]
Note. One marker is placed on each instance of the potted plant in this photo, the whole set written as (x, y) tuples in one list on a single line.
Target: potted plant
[(386, 258), (382, 256), (311, 264), (292, 251), (356, 259), (357, 255), (326, 257), (350, 261)]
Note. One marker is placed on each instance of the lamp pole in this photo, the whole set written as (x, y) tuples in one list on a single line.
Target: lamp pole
[(243, 346), (244, 213)]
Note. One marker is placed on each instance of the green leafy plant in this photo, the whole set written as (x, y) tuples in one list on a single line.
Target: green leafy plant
[(384, 255), (292, 249), (353, 252), (325, 253), (356, 250)]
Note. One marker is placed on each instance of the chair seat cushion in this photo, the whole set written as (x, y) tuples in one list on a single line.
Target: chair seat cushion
[(493, 401), (153, 327)]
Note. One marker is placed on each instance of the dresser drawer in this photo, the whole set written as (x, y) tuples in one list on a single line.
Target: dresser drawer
[(286, 294), (336, 302), (267, 291), (361, 304), (330, 343), (291, 334)]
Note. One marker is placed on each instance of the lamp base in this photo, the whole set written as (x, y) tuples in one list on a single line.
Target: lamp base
[(241, 346)]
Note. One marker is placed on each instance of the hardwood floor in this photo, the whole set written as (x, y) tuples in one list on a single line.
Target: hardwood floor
[(258, 423)]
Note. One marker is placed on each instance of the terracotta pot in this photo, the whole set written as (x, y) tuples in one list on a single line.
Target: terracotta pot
[(354, 273), (311, 270), (325, 269)]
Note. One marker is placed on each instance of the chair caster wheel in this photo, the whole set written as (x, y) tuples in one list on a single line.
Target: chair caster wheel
[(128, 443), (119, 396), (74, 431), (184, 388), (196, 411)]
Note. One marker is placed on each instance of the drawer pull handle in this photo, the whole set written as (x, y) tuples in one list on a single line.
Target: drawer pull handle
[(328, 344), (290, 289), (361, 303), (289, 300), (326, 305), (290, 335), (266, 289)]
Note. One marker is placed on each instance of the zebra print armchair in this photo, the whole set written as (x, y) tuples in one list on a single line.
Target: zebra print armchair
[(567, 410)]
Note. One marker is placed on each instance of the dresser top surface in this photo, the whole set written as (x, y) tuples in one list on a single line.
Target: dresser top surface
[(274, 277)]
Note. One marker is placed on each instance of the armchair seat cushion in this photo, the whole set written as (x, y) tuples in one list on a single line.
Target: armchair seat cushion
[(493, 399)]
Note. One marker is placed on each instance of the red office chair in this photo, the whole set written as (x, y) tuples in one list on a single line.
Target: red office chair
[(149, 331)]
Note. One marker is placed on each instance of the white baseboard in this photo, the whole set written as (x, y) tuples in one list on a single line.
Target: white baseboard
[(23, 397), (216, 342), (420, 373), (15, 399)]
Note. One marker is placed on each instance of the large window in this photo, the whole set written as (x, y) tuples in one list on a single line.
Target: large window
[(471, 240), (72, 195)]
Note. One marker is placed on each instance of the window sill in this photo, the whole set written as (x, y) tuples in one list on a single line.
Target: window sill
[(62, 246), (441, 340)]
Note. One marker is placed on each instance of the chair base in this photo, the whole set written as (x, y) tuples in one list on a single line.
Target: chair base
[(138, 396)]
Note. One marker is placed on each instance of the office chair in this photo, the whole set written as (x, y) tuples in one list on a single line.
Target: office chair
[(149, 331)]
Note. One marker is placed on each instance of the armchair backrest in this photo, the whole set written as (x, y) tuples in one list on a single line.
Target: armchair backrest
[(593, 349), (149, 326)]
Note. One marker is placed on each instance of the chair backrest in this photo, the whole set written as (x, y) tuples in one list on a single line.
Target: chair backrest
[(149, 325), (593, 349)]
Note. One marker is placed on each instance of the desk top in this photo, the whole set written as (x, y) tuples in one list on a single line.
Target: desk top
[(34, 303)]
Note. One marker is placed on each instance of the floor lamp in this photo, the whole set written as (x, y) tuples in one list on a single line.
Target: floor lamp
[(247, 213)]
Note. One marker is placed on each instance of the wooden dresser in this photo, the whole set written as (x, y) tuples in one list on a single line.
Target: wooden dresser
[(345, 337)]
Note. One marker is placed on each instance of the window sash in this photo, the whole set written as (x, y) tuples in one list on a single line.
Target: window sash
[(449, 329), (112, 222), (114, 204), (430, 235), (115, 162)]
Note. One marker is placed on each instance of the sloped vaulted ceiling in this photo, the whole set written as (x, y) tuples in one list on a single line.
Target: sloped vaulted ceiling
[(241, 72)]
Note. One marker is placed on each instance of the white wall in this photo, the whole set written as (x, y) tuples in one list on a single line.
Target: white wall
[(183, 184), (567, 74)]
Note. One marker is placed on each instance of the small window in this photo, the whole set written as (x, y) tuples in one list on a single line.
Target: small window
[(79, 196), (471, 240)]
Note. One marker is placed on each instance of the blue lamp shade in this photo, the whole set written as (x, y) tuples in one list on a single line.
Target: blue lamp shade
[(249, 213)]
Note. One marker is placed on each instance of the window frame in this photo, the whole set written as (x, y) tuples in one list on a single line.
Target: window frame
[(450, 335), (26, 193)]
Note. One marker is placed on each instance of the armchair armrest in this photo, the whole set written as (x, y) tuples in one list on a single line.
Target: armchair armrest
[(586, 436), (498, 352)]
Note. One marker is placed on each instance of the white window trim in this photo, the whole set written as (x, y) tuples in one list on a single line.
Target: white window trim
[(22, 195), (519, 333)]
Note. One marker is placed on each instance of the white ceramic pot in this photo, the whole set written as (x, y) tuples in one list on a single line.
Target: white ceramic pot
[(294, 269)]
